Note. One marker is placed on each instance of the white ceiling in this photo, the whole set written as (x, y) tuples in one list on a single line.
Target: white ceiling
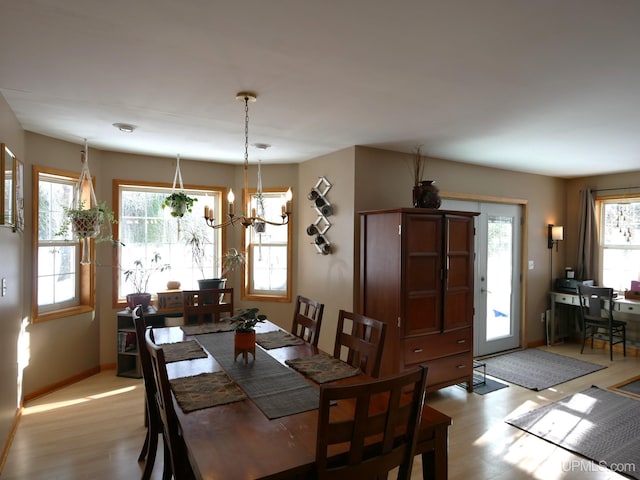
[(542, 86)]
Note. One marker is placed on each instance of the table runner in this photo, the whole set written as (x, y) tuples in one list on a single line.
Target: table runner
[(205, 390), (275, 389), (215, 327), (187, 350), (277, 339), (322, 368)]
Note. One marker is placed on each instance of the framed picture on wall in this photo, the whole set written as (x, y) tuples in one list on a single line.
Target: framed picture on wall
[(18, 187), (7, 197)]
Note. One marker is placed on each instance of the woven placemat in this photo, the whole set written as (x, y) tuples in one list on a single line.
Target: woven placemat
[(277, 339), (215, 327), (322, 368), (205, 390), (187, 350)]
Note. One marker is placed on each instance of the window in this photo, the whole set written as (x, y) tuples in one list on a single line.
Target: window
[(620, 241), (63, 285), (268, 272), (145, 228)]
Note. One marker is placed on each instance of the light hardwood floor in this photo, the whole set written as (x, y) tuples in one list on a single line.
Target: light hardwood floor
[(94, 430)]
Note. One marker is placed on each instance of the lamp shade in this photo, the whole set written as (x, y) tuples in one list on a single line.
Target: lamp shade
[(557, 232)]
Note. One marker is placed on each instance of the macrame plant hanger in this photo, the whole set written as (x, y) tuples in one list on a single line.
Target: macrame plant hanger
[(87, 220), (177, 178)]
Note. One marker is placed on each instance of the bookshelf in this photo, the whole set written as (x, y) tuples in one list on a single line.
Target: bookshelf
[(128, 357)]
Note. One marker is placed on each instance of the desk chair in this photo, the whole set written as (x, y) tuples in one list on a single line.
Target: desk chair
[(374, 440), (152, 419), (307, 319), (597, 316), (363, 343), (207, 305), (175, 451)]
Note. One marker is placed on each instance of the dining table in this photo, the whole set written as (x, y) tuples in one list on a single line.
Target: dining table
[(238, 440)]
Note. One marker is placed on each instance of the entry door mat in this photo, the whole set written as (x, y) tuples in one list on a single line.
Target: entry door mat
[(538, 369), (629, 387), (598, 424), (487, 385)]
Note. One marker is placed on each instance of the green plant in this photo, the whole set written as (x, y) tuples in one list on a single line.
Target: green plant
[(418, 164), (247, 320), (139, 275), (94, 222), (180, 203), (232, 260)]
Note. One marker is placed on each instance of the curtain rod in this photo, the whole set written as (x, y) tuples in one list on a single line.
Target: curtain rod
[(616, 188)]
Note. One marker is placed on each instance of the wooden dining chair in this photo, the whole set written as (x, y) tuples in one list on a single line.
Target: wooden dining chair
[(307, 319), (152, 417), (207, 305), (373, 433), (175, 451), (596, 315), (363, 342)]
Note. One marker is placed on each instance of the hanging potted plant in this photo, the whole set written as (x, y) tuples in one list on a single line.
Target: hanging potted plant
[(86, 221), (244, 339), (179, 203), (139, 276)]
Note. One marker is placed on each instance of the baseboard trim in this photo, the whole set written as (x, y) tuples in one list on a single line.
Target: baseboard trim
[(9, 442), (58, 385)]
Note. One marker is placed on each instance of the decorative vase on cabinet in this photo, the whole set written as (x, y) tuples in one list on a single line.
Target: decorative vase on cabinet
[(416, 275), (426, 195)]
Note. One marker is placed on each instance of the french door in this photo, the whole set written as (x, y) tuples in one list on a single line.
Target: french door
[(497, 319)]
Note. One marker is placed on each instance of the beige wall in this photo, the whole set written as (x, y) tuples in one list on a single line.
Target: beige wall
[(327, 278), (12, 310)]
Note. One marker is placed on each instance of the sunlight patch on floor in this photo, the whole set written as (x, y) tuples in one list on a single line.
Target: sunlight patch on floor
[(76, 401)]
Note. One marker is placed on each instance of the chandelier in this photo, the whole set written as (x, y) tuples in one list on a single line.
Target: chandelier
[(256, 219)]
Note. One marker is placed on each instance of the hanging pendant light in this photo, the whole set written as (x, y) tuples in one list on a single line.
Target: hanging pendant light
[(256, 219)]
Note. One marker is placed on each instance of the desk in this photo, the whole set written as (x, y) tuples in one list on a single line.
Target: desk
[(237, 441), (621, 305)]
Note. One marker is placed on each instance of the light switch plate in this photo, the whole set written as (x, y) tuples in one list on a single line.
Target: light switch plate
[(531, 265)]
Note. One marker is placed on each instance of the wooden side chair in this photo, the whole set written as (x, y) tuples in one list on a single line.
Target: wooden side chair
[(596, 315), (307, 319), (175, 451), (363, 342), (368, 440), (152, 417), (207, 305)]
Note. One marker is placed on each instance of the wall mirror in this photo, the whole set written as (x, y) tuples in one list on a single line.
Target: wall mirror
[(7, 169)]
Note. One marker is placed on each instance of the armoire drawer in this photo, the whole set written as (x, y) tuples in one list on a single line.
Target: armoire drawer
[(447, 368), (427, 347)]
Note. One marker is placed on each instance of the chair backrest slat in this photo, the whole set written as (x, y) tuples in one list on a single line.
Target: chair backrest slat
[(377, 434), (364, 341), (207, 305), (307, 319)]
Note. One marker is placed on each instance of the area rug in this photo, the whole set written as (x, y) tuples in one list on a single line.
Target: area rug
[(630, 386), (538, 369), (598, 424)]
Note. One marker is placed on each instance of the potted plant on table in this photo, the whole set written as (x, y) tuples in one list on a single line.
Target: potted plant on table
[(139, 276), (244, 340)]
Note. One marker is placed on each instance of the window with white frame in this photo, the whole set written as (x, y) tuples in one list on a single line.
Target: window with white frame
[(268, 272), (187, 244), (63, 285), (620, 241)]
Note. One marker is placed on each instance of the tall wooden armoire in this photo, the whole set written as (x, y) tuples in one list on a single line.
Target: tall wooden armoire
[(416, 275)]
